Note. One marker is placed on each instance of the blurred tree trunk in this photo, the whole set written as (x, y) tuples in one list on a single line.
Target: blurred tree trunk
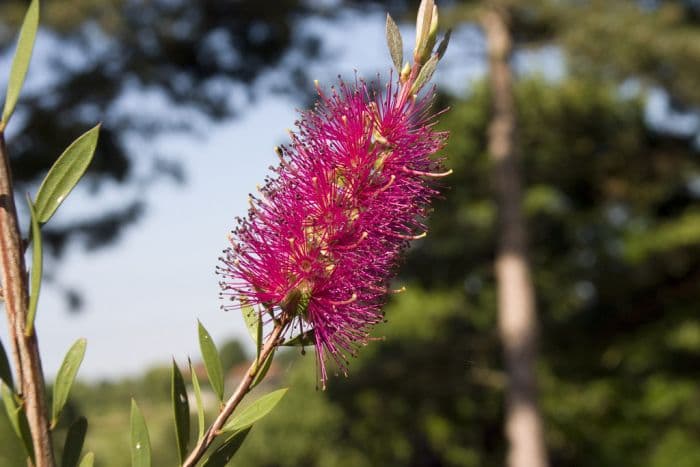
[(516, 315)]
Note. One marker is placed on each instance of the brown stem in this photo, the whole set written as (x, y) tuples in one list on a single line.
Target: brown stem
[(517, 320), (238, 395), (25, 349)]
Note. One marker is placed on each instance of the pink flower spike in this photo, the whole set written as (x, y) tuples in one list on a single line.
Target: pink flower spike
[(321, 243)]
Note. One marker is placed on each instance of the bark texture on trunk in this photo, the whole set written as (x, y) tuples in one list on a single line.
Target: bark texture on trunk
[(517, 319)]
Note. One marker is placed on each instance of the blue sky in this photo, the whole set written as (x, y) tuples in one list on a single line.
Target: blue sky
[(143, 295)]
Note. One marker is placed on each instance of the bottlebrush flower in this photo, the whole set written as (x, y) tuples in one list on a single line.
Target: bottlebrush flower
[(322, 240)]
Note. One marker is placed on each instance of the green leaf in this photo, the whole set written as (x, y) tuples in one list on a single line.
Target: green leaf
[(20, 63), (258, 339), (5, 371), (181, 411), (18, 420), (212, 362), (225, 452), (140, 442), (88, 460), (75, 438), (8, 400), (394, 41), (66, 377), (442, 47), (253, 322), (301, 340), (198, 398), (260, 375), (37, 268), (426, 72), (65, 174), (255, 411), (251, 318)]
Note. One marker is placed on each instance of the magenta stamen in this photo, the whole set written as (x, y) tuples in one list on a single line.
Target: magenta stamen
[(426, 174), (344, 302)]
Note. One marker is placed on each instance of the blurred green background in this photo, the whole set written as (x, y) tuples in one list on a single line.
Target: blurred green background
[(612, 196)]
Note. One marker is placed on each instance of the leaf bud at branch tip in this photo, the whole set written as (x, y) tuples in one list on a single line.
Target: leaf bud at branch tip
[(432, 34), (424, 27)]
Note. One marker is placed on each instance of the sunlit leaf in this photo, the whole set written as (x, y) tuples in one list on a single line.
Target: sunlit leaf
[(394, 41), (140, 441), (264, 368), (258, 339), (37, 269), (20, 63), (426, 72), (5, 371), (198, 398), (225, 452), (181, 410), (88, 460), (66, 377), (212, 362), (251, 318), (18, 419), (65, 174), (255, 411), (75, 438)]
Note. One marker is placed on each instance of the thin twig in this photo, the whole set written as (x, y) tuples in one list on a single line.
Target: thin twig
[(238, 395), (25, 349)]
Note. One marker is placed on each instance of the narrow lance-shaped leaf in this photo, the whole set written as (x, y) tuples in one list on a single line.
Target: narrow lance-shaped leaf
[(258, 339), (18, 420), (251, 319), (255, 411), (426, 72), (198, 399), (264, 368), (181, 411), (224, 453), (140, 441), (20, 63), (212, 362), (37, 269), (395, 43), (66, 377), (442, 47), (75, 438), (65, 174), (88, 460), (5, 371)]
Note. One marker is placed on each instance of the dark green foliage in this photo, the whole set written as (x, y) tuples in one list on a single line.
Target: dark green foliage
[(74, 443), (185, 50), (181, 411), (225, 452), (231, 354), (617, 290), (5, 370)]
